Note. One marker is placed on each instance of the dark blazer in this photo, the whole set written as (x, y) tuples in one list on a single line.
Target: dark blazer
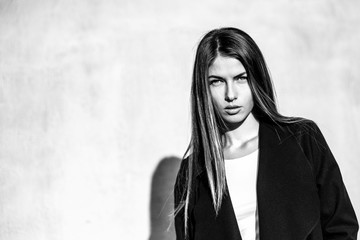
[(300, 192)]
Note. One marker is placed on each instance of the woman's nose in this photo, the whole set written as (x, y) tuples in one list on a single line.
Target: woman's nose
[(230, 94)]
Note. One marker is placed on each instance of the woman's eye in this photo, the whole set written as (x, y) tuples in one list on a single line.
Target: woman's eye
[(242, 78), (215, 82)]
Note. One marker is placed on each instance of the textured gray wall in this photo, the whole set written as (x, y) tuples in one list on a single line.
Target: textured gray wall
[(94, 102)]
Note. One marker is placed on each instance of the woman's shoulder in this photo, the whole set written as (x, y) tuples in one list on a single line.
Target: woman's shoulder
[(299, 127), (309, 137), (305, 128), (305, 131), (190, 164), (312, 143)]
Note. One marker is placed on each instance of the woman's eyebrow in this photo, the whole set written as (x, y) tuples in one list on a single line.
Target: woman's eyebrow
[(237, 76), (240, 75), (214, 76)]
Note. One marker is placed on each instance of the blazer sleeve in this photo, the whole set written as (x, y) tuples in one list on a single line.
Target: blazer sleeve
[(338, 219)]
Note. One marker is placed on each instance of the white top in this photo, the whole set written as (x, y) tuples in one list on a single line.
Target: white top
[(241, 175)]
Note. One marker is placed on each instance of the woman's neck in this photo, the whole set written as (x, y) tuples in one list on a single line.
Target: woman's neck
[(240, 136)]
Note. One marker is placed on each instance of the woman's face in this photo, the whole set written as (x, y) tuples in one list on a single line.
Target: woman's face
[(230, 90)]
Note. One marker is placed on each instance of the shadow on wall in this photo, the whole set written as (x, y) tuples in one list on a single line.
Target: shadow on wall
[(162, 200)]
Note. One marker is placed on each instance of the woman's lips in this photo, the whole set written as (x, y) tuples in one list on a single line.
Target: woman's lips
[(232, 106), (232, 110)]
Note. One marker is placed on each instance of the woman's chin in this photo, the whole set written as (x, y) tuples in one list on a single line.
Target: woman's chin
[(234, 119)]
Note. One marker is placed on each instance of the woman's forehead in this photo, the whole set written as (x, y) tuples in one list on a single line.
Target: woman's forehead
[(226, 66)]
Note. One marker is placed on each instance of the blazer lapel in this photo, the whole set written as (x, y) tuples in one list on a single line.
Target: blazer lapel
[(288, 205), (208, 225)]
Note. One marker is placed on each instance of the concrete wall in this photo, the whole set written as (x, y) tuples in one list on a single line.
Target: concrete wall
[(94, 103)]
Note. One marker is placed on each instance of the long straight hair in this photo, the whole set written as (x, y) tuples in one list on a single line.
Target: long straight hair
[(205, 144)]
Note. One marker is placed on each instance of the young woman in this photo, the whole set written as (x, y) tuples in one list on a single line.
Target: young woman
[(249, 172)]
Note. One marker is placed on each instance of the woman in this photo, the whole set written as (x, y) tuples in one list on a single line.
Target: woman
[(252, 173)]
